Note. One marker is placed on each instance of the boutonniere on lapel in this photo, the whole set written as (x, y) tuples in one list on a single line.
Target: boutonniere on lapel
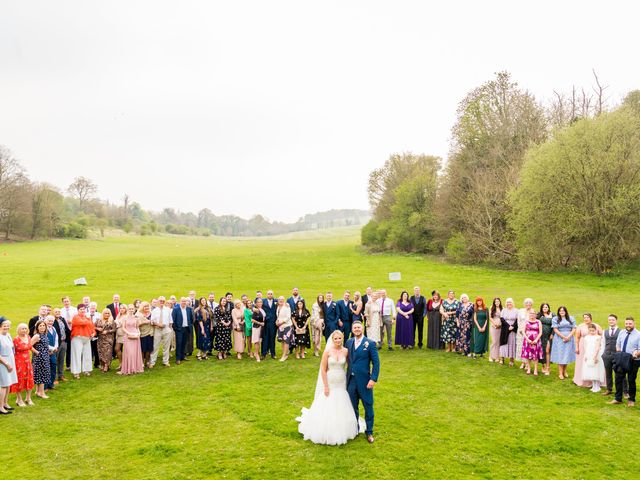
[(366, 345)]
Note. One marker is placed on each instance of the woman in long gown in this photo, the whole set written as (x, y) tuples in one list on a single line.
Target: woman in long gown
[(581, 333), (546, 317), (202, 325), (237, 322), (508, 331), (248, 327), (222, 320), (106, 328), (434, 321), (480, 327), (285, 333), (317, 324), (131, 350), (23, 366), (563, 348), (330, 419), (449, 328), (494, 329), (372, 314), (405, 333), (464, 319)]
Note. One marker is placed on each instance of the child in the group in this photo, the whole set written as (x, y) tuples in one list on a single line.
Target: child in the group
[(593, 368)]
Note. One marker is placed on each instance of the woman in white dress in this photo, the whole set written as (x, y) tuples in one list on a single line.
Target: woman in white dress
[(593, 365), (331, 418), (372, 314)]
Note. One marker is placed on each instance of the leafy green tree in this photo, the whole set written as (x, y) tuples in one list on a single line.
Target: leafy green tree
[(497, 122), (578, 200)]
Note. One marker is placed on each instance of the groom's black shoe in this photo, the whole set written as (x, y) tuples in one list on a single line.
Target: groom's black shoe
[(370, 438)]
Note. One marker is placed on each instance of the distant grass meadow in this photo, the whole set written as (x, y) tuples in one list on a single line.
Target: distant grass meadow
[(437, 415)]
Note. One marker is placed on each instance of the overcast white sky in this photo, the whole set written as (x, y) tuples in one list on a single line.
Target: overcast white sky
[(275, 107)]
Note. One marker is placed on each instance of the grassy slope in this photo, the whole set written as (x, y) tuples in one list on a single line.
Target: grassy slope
[(437, 414)]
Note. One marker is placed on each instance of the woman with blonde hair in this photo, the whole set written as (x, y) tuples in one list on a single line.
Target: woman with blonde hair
[(106, 328), (146, 332), (8, 374), (372, 314), (285, 329), (23, 346), (132, 353), (120, 335)]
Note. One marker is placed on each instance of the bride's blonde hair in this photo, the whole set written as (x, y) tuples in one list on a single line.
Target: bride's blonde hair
[(339, 333)]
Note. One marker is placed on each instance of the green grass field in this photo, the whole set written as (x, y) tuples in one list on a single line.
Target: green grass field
[(437, 415)]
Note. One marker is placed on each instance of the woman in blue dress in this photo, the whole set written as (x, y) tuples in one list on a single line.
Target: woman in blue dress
[(563, 348)]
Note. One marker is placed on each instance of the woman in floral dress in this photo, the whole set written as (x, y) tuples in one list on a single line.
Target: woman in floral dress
[(449, 329), (532, 346), (464, 320)]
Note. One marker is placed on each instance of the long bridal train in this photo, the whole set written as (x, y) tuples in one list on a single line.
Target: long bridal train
[(331, 419)]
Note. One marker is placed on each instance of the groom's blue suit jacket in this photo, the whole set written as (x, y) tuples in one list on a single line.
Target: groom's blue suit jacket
[(364, 364)]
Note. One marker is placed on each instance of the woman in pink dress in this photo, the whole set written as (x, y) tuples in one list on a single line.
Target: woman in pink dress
[(132, 352), (581, 332), (531, 344)]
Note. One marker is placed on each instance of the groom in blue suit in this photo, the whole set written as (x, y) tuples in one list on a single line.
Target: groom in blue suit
[(362, 374)]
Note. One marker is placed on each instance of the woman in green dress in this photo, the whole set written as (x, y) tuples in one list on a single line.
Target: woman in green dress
[(248, 326), (480, 328), (546, 317)]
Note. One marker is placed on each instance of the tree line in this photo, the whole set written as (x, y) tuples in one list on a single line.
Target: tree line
[(525, 184), (34, 210)]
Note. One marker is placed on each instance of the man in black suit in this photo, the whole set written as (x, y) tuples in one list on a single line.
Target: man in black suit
[(610, 339), (419, 311), (42, 313), (182, 316), (270, 307), (64, 343), (114, 307)]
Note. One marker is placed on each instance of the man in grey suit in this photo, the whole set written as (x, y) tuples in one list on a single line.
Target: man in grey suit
[(610, 339)]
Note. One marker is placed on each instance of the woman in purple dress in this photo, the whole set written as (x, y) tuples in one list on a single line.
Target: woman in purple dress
[(404, 322)]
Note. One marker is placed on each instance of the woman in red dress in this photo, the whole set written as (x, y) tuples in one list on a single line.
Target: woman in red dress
[(24, 369)]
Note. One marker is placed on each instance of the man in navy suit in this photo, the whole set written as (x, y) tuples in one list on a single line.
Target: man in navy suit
[(362, 374), (182, 316), (294, 299), (331, 315), (344, 307), (270, 307)]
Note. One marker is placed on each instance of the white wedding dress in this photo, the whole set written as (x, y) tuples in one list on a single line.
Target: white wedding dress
[(331, 419)]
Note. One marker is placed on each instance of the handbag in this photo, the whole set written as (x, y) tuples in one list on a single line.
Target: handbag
[(623, 361)]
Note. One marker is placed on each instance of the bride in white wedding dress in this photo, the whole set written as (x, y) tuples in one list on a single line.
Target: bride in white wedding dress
[(331, 419)]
